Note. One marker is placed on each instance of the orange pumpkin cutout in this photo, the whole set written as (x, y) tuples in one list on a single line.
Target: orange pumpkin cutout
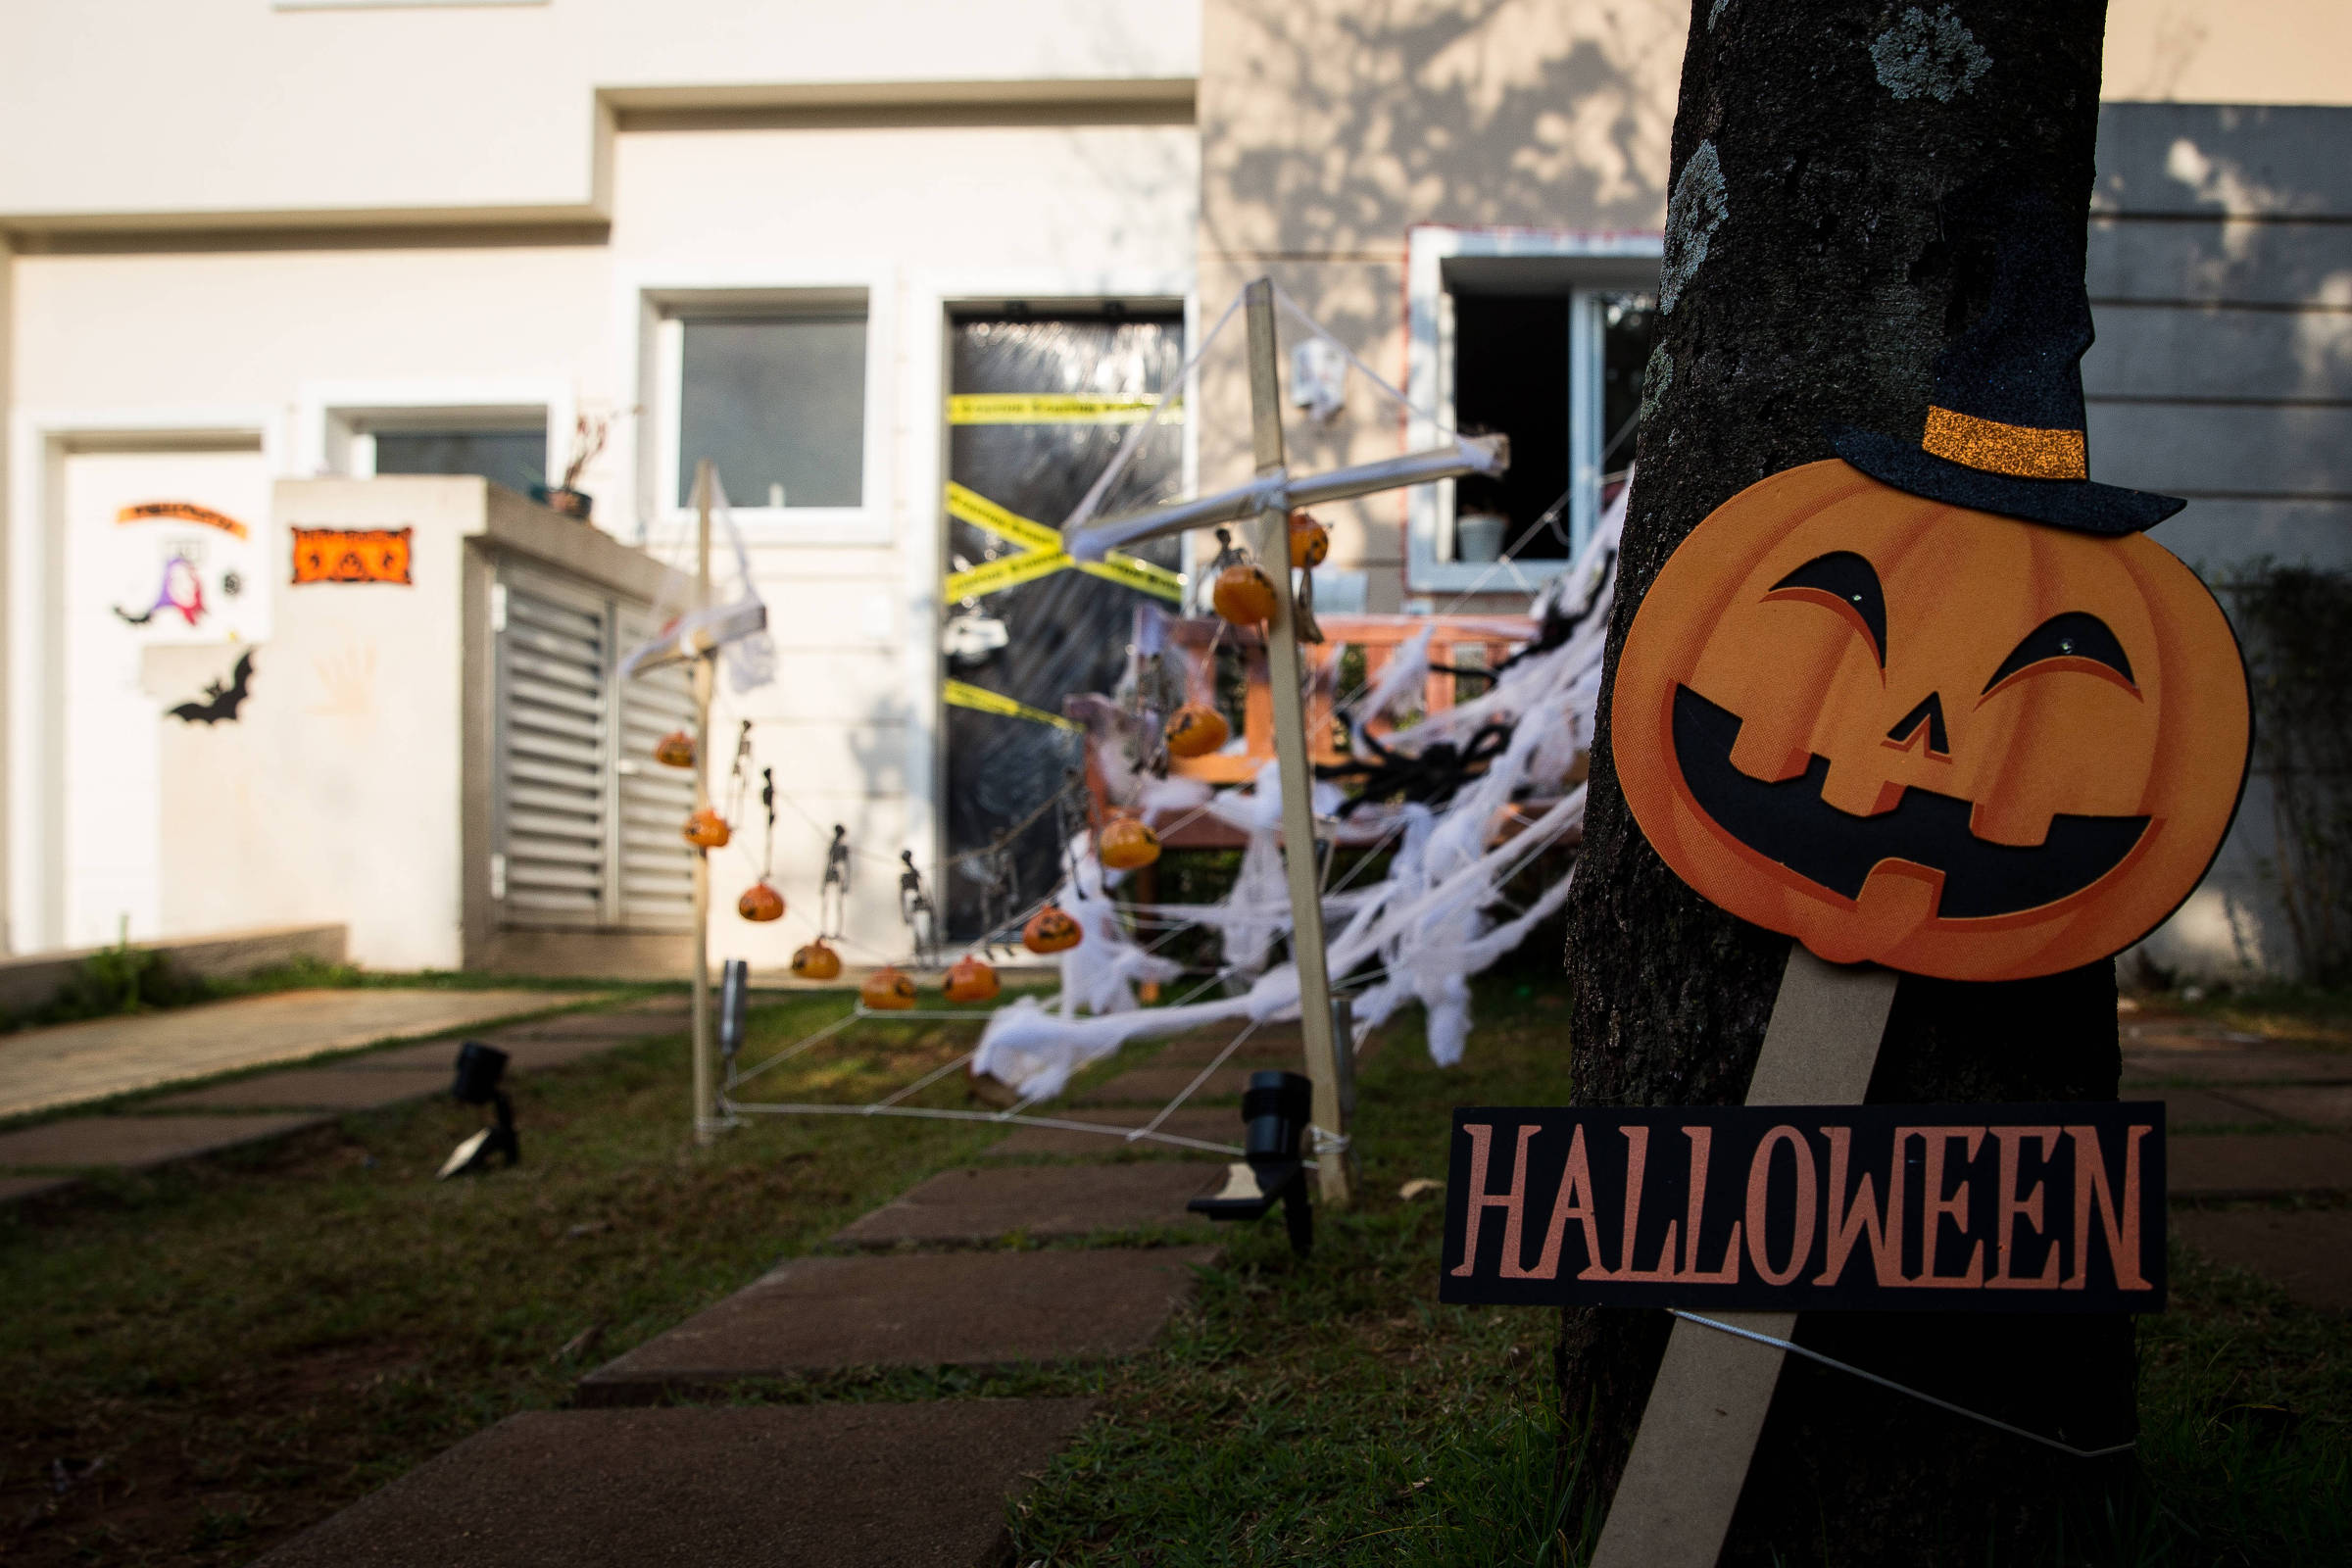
[(1049, 930), (705, 829), (1938, 739), (887, 990), (1196, 730), (1310, 542), (972, 978), (816, 961), (1127, 844), (674, 750), (1244, 595), (760, 902)]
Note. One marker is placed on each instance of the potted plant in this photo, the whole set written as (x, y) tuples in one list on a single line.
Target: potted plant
[(588, 437)]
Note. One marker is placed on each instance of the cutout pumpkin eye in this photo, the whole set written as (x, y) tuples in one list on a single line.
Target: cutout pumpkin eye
[(1847, 583), (2075, 637)]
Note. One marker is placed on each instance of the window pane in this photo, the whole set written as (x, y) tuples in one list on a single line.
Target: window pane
[(516, 458), (778, 404), (1510, 374), (1629, 324)]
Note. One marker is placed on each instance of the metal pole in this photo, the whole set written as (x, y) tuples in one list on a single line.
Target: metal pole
[(705, 1126), (1289, 748)]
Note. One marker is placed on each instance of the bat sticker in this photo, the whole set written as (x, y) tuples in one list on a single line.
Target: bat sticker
[(221, 698)]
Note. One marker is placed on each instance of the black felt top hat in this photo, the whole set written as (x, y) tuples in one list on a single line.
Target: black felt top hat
[(2004, 433)]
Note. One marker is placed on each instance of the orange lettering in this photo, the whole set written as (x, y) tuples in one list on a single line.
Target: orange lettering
[(1759, 1184), (1937, 1205), (2123, 1233), (1511, 1203), (2011, 1206), (1728, 1273), (1863, 1219), (1574, 1201)]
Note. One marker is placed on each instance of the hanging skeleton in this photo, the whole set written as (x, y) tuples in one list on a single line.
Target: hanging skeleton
[(917, 910), (760, 902), (833, 893)]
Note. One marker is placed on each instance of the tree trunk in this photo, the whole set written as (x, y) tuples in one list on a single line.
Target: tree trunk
[(1809, 282)]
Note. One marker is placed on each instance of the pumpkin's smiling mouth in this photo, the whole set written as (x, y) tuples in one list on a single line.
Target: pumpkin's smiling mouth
[(1791, 826)]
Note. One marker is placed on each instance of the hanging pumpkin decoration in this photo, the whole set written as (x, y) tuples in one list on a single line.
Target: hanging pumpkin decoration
[(1127, 844), (1310, 542), (705, 829), (1051, 930), (674, 750), (887, 990), (1195, 730), (760, 902), (972, 978), (1244, 595), (816, 961)]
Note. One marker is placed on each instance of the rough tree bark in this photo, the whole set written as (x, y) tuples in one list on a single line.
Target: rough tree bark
[(1809, 282)]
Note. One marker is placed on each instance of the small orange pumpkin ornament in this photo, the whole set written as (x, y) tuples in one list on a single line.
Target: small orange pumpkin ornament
[(972, 978), (1195, 730), (674, 750), (1310, 542), (760, 902), (705, 829), (887, 990), (1127, 844), (1942, 740), (1051, 930), (1244, 595), (816, 961)]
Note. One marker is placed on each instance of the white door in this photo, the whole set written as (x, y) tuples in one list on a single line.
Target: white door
[(160, 547)]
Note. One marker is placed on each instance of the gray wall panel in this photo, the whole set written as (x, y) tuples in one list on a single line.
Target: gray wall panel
[(2214, 535), (2171, 351), (2220, 262), (2244, 451), (2279, 162)]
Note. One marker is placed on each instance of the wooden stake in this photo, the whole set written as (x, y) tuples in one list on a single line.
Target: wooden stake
[(1691, 1456), (705, 1122), (1282, 671)]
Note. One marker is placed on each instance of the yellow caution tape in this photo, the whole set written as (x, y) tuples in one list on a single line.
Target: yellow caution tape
[(964, 694), (1055, 408), (1042, 555)]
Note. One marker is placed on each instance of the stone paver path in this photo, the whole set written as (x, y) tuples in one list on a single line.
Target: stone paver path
[(2308, 1251), (1155, 1086), (1215, 1124), (315, 1089), (42, 1069), (2314, 1104), (133, 1142), (1045, 1202), (2258, 1164), (924, 1309), (824, 1486)]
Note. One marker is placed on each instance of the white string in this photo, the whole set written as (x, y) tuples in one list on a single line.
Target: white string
[(1169, 1109), (1084, 512), (1890, 1383)]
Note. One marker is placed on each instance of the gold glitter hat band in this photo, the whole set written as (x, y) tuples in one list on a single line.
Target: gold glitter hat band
[(2021, 451)]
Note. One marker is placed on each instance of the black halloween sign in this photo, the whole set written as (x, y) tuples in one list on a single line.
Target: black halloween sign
[(2053, 1207)]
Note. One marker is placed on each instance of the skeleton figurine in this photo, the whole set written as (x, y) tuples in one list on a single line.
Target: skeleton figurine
[(833, 894), (916, 909)]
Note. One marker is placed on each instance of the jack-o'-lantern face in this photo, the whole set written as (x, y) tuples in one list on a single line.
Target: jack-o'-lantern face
[(760, 903), (887, 990), (1914, 734), (1127, 844), (972, 978), (1196, 730), (816, 961), (1051, 930), (705, 829)]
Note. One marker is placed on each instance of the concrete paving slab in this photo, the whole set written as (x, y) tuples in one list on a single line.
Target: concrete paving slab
[(607, 1026), (312, 1089), (1157, 1086), (1220, 1124), (522, 1055), (920, 1309), (2315, 1105), (2283, 1064), (42, 1069), (2308, 1251), (2258, 1164), (968, 1207), (12, 1188), (841, 1485), (2202, 1107), (133, 1142)]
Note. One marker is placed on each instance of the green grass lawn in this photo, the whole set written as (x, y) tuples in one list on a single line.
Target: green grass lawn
[(203, 1360)]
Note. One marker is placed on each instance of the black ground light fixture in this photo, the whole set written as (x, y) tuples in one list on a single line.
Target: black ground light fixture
[(480, 1068), (1275, 1110), (734, 1006)]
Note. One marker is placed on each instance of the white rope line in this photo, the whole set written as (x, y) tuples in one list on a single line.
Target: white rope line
[(920, 1084), (933, 1114), (1888, 1383), (1152, 1127), (794, 1050)]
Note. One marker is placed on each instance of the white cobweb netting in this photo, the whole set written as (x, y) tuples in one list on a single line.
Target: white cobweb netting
[(733, 617), (1439, 916)]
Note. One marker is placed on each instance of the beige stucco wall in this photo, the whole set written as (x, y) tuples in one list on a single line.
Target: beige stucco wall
[(1330, 127)]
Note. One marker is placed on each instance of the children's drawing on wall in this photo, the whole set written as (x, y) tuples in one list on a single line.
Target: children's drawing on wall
[(182, 589), (183, 571), (183, 511), (222, 698), (352, 555)]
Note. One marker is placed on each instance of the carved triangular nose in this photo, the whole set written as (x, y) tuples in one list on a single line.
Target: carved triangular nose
[(1930, 713)]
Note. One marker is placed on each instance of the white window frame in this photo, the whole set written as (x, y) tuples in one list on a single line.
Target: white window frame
[(1587, 266), (662, 306), (337, 421)]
